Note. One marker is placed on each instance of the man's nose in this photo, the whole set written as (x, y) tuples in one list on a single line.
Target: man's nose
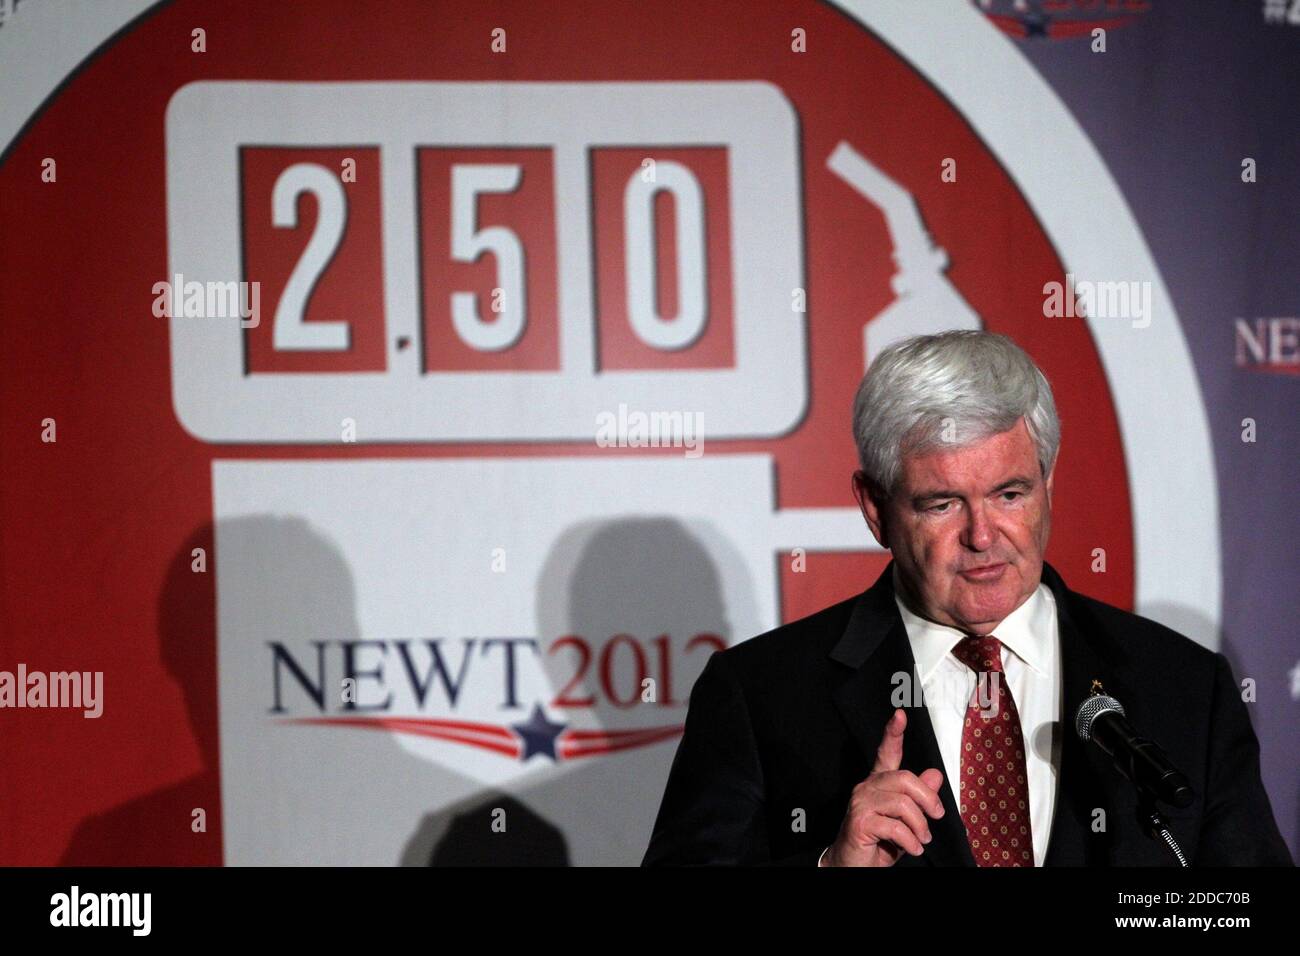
[(978, 532)]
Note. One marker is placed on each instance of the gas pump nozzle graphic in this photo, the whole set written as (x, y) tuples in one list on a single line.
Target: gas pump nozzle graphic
[(927, 302)]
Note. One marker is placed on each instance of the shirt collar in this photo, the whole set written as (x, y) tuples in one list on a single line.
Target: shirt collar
[(1026, 632)]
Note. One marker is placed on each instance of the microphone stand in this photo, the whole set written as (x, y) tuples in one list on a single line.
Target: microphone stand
[(1156, 826), (1149, 818)]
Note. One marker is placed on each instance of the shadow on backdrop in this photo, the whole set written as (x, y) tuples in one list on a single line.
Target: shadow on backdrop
[(155, 829), (645, 577)]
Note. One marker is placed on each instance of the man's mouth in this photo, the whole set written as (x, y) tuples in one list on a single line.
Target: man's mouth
[(987, 572)]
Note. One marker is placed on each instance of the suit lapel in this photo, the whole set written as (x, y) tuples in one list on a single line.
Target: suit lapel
[(1084, 782), (873, 648)]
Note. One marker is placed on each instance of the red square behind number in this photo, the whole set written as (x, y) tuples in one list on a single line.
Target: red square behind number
[(612, 170), (348, 287), (522, 218)]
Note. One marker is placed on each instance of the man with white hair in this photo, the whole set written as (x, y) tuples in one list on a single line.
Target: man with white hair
[(929, 720)]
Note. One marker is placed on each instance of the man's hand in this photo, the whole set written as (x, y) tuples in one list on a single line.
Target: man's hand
[(887, 811)]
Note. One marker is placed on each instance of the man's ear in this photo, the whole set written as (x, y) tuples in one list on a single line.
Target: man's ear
[(1051, 473), (871, 502)]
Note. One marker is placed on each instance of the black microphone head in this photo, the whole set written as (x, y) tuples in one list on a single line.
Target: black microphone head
[(1093, 706)]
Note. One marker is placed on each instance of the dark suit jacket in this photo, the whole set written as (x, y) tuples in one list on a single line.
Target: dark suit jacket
[(791, 720)]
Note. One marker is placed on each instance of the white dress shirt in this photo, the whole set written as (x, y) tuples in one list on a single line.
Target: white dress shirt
[(1031, 665)]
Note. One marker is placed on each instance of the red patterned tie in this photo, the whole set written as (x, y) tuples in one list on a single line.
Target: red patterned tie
[(994, 795)]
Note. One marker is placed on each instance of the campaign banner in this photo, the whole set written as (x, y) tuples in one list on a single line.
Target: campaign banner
[(405, 400)]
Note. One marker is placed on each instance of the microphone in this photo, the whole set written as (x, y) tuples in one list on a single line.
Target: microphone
[(1101, 719)]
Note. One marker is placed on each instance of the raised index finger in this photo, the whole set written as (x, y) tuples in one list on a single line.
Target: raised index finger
[(889, 755)]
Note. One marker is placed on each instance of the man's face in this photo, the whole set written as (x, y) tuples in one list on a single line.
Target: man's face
[(967, 527)]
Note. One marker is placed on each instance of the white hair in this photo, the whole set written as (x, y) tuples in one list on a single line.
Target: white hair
[(953, 389)]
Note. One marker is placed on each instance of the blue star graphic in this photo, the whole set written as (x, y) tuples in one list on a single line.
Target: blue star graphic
[(538, 735), (1036, 25)]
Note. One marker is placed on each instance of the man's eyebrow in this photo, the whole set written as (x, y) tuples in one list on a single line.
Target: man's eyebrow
[(930, 495), (1019, 481)]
